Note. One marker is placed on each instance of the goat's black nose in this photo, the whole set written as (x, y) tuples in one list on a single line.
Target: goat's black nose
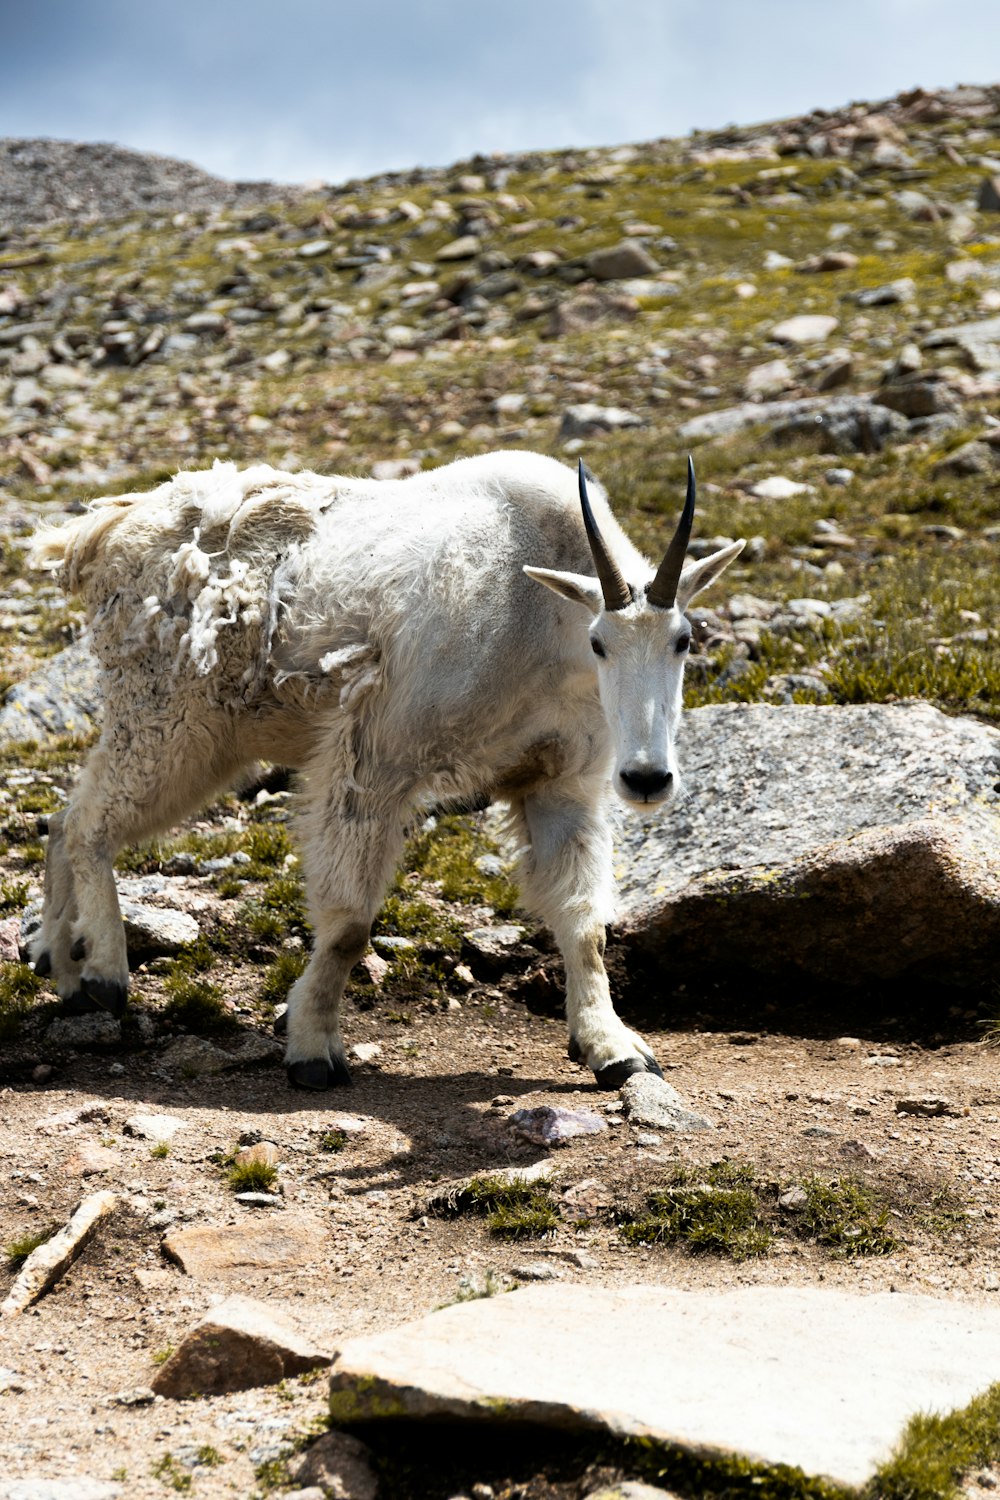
[(647, 783)]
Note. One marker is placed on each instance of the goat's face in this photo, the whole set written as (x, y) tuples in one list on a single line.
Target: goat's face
[(640, 638)]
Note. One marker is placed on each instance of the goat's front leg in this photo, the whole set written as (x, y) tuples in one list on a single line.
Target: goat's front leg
[(349, 860), (567, 879)]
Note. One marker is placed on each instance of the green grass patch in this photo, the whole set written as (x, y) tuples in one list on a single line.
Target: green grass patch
[(281, 975), (252, 1176), (845, 1216), (16, 1251), (936, 1451), (197, 1005), (723, 1208), (333, 1141), (513, 1210), (712, 1209), (19, 987), (13, 894), (449, 854)]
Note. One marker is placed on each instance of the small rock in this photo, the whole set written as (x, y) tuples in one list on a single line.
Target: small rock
[(587, 419), (930, 1106), (805, 328), (393, 945), (42, 1073), (264, 1152), (795, 1199), (260, 1200), (631, 1489), (153, 932), (312, 248), (10, 947), (239, 1344), (340, 1466), (536, 1270), (97, 1030), (154, 1128), (778, 488), (651, 1101), (769, 379), (194, 1057), (366, 1052), (592, 309), (970, 458), (839, 476), (466, 247), (69, 1119), (619, 261), (547, 1125), (829, 260), (489, 950), (903, 290), (137, 1395)]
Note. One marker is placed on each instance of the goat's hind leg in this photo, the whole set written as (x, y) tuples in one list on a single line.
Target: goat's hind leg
[(349, 859), (52, 944), (567, 879), (131, 787)]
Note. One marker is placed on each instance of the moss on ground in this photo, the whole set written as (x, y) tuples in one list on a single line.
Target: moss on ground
[(725, 1208), (513, 1208)]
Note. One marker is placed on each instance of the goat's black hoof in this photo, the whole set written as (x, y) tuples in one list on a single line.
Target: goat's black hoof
[(615, 1074), (573, 1050), (43, 964), (280, 1027), (319, 1074), (108, 995), (77, 1004), (78, 952)]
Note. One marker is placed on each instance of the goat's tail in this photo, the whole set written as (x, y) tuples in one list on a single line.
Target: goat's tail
[(75, 547)]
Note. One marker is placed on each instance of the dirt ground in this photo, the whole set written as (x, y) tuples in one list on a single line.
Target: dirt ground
[(435, 1105)]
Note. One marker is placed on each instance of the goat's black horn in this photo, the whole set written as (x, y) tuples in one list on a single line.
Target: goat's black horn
[(663, 590), (617, 594)]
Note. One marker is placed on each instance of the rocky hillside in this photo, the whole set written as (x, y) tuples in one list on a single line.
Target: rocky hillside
[(45, 182), (812, 306)]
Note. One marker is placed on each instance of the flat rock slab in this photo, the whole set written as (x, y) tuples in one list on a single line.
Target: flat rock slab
[(240, 1344), (824, 1381), (209, 1250), (808, 835)]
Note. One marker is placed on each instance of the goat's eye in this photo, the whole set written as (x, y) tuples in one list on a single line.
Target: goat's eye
[(683, 644), (597, 647)]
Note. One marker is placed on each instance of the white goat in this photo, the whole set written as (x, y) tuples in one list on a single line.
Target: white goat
[(387, 639)]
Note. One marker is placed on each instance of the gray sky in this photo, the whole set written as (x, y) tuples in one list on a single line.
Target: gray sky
[(302, 89)]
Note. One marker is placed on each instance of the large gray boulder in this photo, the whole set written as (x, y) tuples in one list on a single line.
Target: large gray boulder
[(62, 698), (822, 1380), (849, 844)]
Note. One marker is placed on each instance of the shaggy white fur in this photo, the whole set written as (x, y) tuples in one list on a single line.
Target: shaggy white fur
[(389, 640)]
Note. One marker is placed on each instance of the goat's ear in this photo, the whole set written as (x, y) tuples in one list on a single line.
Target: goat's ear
[(699, 575), (576, 587)]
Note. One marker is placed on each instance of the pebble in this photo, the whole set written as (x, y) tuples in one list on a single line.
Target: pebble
[(839, 476)]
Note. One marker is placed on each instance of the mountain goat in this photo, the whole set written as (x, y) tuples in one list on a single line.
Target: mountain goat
[(388, 639)]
